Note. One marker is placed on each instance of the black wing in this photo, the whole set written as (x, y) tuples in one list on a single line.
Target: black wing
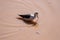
[(25, 16)]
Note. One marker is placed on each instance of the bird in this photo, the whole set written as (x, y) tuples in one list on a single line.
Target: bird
[(30, 18)]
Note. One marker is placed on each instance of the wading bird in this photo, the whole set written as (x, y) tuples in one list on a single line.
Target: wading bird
[(30, 18)]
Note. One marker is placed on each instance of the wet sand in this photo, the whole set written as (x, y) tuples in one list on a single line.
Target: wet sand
[(13, 29)]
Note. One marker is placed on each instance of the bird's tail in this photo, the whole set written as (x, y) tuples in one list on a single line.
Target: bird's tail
[(20, 16)]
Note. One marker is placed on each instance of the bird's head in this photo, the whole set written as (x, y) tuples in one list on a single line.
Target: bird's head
[(36, 14)]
